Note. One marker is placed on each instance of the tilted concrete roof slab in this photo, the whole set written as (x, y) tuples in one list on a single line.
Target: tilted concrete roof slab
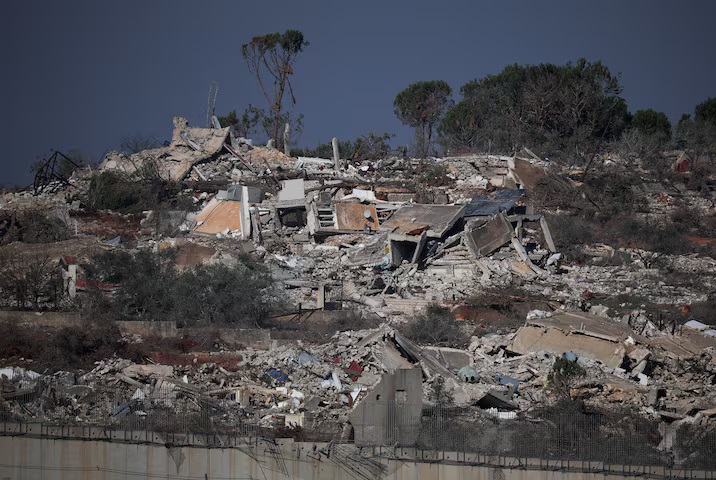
[(489, 237), (218, 215), (586, 335), (411, 220)]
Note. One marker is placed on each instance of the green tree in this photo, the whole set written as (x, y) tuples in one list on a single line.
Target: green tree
[(145, 282), (150, 287), (697, 136), (421, 106), (271, 58), (246, 124), (221, 294), (652, 123), (458, 129), (556, 110), (706, 111), (366, 147), (29, 279)]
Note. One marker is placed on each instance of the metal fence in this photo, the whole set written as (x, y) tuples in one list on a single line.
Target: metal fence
[(615, 439), (167, 406)]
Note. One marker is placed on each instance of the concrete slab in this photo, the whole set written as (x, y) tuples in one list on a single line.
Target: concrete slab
[(355, 216), (586, 335), (218, 215), (489, 237), (410, 221), (291, 190), (397, 397)]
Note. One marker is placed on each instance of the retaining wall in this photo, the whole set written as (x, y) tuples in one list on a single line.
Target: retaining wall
[(34, 451)]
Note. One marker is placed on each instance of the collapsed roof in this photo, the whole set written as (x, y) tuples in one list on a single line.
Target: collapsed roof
[(189, 146)]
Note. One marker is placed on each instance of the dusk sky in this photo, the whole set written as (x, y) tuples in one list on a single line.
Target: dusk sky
[(83, 74)]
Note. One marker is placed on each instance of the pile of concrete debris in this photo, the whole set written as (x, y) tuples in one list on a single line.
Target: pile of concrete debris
[(339, 234), (337, 230), (333, 386)]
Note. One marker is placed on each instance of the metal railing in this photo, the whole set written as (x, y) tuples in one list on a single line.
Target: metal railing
[(166, 406)]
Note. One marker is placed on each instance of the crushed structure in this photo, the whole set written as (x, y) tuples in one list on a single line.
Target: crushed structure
[(343, 235)]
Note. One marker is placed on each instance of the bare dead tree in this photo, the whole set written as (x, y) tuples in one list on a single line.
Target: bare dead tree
[(271, 57), (138, 143), (28, 278)]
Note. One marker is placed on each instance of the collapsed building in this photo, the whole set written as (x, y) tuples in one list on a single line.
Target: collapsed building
[(371, 386), (341, 234)]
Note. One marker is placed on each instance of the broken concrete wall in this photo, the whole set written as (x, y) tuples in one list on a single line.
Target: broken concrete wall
[(291, 190), (160, 328), (257, 338), (525, 173), (586, 335), (390, 414), (412, 220), (487, 238), (189, 146), (45, 319)]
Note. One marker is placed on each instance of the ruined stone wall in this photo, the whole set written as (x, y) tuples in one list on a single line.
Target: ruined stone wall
[(40, 319), (161, 329)]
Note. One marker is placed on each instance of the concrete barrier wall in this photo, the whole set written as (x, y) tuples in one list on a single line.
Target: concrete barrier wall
[(30, 458), (161, 329), (249, 337), (43, 319), (65, 319)]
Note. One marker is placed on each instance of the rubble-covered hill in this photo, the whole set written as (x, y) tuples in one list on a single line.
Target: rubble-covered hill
[(478, 271)]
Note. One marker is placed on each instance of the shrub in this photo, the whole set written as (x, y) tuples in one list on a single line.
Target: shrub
[(239, 294), (72, 347), (79, 346), (149, 287), (33, 226), (434, 175), (436, 326), (40, 228), (143, 190), (440, 394), (29, 280), (564, 374)]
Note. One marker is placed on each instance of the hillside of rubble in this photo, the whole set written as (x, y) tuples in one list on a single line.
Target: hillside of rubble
[(294, 291)]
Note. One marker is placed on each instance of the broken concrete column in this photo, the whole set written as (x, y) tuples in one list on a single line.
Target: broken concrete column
[(321, 297), (70, 279), (374, 302), (336, 157), (286, 138)]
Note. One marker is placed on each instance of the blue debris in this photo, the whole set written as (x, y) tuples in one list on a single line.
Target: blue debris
[(277, 375), (468, 374), (487, 205), (505, 380), (571, 356), (121, 410), (305, 359), (115, 242)]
